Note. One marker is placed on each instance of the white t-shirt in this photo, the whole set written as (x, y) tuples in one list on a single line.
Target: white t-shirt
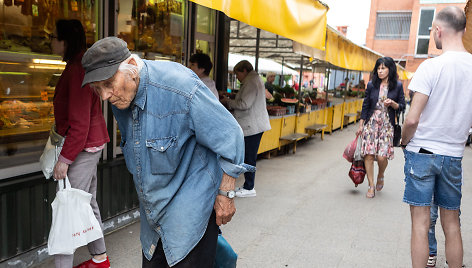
[(211, 85), (447, 117)]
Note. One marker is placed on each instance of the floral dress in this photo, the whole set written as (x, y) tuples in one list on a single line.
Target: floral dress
[(377, 136)]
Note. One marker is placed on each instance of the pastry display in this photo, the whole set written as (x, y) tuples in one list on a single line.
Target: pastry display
[(15, 113)]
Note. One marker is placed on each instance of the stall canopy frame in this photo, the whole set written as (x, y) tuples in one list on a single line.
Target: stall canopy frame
[(301, 20)]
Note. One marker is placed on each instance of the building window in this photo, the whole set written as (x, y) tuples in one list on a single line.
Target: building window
[(424, 28), (29, 73), (393, 25)]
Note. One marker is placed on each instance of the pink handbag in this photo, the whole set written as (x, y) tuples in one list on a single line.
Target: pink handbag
[(350, 150)]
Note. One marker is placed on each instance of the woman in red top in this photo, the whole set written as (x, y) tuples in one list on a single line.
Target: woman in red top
[(79, 119)]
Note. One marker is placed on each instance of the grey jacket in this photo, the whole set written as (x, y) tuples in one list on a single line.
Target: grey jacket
[(250, 105)]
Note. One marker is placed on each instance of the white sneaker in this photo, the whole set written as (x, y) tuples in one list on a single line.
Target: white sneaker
[(241, 192), (431, 262)]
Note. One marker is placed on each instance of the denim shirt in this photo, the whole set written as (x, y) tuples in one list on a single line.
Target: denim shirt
[(177, 140)]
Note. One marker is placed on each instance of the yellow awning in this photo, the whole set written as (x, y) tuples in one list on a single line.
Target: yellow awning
[(301, 20), (343, 53), (403, 74)]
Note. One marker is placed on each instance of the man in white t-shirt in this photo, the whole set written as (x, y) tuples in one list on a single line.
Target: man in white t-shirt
[(434, 137)]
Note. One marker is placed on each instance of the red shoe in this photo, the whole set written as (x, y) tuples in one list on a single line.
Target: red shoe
[(91, 264)]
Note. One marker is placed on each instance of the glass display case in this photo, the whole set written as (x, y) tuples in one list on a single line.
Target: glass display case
[(29, 73)]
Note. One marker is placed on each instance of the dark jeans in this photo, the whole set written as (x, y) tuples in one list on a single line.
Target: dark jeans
[(251, 145), (202, 255)]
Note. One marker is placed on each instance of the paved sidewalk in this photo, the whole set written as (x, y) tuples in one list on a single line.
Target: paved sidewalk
[(308, 213)]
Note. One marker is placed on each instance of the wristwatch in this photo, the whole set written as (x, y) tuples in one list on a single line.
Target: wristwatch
[(230, 194)]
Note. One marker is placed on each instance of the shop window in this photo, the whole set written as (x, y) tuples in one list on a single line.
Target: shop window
[(29, 73), (205, 32), (155, 28), (424, 28), (393, 25)]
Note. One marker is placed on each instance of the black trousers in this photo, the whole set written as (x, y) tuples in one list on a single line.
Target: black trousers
[(251, 146), (202, 256)]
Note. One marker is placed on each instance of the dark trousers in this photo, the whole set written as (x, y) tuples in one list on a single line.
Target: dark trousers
[(251, 145), (201, 256)]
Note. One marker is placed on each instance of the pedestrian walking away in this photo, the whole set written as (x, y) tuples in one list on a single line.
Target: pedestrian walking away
[(79, 118), (434, 136), (384, 97), (182, 146), (249, 109)]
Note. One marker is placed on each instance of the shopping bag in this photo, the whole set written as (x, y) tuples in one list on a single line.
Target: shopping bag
[(350, 149), (225, 255), (357, 172), (51, 152), (73, 222), (358, 151)]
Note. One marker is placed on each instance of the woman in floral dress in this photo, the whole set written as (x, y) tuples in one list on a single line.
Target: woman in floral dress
[(384, 97)]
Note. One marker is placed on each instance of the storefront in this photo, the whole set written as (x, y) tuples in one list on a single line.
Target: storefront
[(154, 30)]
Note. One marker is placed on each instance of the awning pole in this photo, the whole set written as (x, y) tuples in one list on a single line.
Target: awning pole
[(300, 84), (282, 76), (257, 49), (327, 83), (334, 90), (358, 82)]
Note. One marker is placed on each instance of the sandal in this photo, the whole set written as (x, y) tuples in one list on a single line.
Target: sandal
[(369, 194), (378, 186)]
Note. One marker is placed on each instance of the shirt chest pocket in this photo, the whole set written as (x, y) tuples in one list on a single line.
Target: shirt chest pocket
[(163, 154)]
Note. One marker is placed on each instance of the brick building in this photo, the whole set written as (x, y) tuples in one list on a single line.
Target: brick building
[(401, 29)]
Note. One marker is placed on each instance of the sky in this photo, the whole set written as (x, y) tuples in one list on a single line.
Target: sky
[(352, 13)]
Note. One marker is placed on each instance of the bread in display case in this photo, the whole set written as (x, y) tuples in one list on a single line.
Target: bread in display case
[(27, 83)]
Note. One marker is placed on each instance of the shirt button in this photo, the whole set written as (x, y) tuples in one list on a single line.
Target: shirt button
[(158, 228), (162, 148)]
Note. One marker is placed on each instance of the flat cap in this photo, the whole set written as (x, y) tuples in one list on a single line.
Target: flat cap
[(101, 61)]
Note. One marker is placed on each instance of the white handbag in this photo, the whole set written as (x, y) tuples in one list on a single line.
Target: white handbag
[(51, 152), (73, 222)]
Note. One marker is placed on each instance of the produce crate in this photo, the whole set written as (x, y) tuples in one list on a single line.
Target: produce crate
[(276, 110)]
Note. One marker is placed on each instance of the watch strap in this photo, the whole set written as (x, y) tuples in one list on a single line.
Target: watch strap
[(224, 193)]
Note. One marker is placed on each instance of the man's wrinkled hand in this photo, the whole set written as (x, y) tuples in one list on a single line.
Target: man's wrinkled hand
[(60, 170), (224, 209)]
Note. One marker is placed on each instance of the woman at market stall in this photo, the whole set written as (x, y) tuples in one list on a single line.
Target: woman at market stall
[(384, 98), (78, 118), (250, 111)]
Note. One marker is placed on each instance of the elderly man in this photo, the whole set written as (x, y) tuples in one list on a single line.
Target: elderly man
[(182, 146), (434, 135)]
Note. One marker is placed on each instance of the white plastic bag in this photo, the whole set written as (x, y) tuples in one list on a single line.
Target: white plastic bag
[(73, 222), (51, 152), (358, 151), (48, 159)]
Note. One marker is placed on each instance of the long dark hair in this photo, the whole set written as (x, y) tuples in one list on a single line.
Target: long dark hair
[(392, 72), (73, 34)]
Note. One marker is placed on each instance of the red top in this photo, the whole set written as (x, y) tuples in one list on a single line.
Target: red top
[(78, 112)]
